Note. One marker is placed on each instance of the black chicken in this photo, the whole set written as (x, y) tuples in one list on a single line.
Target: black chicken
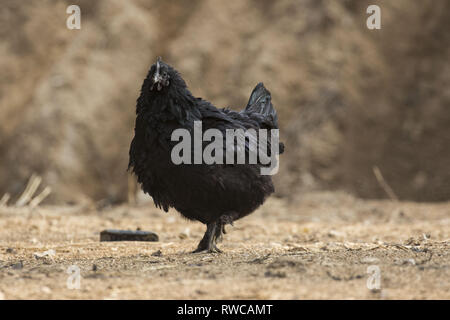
[(215, 194)]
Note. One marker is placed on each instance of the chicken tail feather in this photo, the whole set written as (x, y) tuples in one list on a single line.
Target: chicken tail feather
[(261, 102)]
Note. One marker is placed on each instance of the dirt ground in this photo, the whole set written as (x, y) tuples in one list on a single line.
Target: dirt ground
[(323, 246)]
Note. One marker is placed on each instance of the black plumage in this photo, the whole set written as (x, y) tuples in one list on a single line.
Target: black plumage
[(215, 194)]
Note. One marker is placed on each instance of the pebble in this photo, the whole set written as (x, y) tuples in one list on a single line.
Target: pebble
[(370, 260), (157, 253)]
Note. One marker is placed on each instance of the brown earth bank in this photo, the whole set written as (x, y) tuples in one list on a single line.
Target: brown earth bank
[(348, 98), (322, 246)]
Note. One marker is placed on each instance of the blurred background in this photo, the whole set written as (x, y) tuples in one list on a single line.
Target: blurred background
[(352, 102)]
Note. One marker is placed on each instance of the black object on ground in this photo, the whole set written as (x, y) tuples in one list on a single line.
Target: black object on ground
[(127, 235)]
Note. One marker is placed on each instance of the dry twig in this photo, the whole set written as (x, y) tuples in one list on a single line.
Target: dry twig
[(384, 184)]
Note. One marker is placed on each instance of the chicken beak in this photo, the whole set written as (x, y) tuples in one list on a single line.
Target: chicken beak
[(157, 77)]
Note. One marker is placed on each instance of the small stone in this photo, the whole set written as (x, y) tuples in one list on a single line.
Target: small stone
[(334, 233), (185, 234), (201, 292), (277, 274), (157, 253), (49, 253), (46, 290), (370, 260)]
